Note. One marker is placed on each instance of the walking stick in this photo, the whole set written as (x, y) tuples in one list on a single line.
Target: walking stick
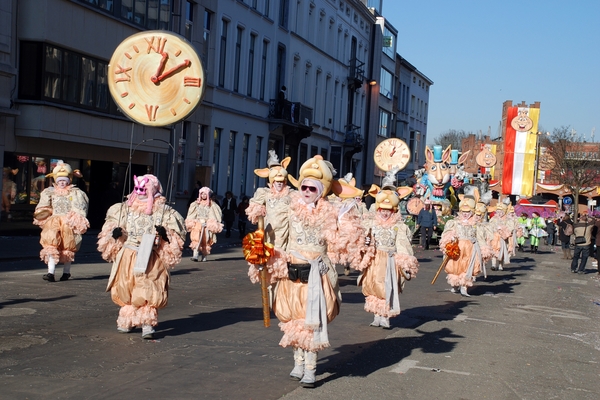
[(257, 252), (452, 252), (264, 285), (440, 269)]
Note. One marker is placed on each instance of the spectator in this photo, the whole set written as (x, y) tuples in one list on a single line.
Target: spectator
[(229, 208), (550, 230), (195, 193), (597, 243), (427, 221), (565, 231), (242, 217), (583, 239)]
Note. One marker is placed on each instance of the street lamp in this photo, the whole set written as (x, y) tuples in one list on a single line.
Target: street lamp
[(537, 157)]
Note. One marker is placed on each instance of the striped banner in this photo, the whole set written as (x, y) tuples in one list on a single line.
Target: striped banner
[(519, 151)]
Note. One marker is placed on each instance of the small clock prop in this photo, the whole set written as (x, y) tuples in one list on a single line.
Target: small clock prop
[(392, 153), (156, 78)]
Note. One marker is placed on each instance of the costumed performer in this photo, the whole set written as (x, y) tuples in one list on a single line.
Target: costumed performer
[(463, 270), (143, 237), (388, 260), (523, 223), (61, 213), (203, 221), (272, 203), (537, 229), (307, 296), (9, 190), (502, 231)]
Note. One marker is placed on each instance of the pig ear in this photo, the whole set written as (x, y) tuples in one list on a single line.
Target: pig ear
[(374, 190), (464, 157), (263, 172), (285, 162), (344, 190), (404, 191), (293, 181)]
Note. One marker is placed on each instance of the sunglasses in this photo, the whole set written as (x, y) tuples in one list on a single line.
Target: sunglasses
[(311, 188)]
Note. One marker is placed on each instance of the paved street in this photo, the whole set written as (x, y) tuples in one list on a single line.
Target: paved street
[(529, 332)]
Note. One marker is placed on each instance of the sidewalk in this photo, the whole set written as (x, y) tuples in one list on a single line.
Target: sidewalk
[(21, 241)]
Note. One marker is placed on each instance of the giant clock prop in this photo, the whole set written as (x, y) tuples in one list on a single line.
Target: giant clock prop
[(156, 78), (392, 153)]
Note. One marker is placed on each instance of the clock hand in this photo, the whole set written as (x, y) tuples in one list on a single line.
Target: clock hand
[(393, 151), (184, 64), (161, 66)]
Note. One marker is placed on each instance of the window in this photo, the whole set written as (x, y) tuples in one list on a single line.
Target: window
[(223, 53), (389, 43), (267, 8), (189, 19), (257, 161), (231, 164), (216, 150), (384, 120), (244, 164), (237, 61), (150, 14), (284, 6), (250, 65), (206, 36), (181, 186), (386, 85), (314, 150), (200, 144), (263, 70), (53, 74)]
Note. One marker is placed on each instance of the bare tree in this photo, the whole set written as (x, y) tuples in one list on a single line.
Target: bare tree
[(577, 162), (451, 137)]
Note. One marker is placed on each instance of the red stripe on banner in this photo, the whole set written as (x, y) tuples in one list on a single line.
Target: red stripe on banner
[(509, 151)]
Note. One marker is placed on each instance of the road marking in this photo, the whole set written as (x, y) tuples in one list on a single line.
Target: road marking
[(462, 317), (13, 312), (554, 312), (403, 366)]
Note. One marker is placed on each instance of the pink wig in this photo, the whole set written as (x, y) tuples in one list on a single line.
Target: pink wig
[(147, 185), (208, 195)]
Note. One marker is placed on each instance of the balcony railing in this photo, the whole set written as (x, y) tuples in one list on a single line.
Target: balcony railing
[(294, 112)]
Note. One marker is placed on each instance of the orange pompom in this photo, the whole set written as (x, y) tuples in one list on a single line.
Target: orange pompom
[(452, 250), (256, 251)]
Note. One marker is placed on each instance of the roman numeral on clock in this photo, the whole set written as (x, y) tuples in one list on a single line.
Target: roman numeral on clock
[(151, 111), (191, 81)]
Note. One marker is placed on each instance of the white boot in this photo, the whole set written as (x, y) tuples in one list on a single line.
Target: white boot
[(500, 267), (195, 256), (310, 369), (298, 371), (384, 322), (376, 321), (463, 291), (51, 267), (147, 332), (204, 259)]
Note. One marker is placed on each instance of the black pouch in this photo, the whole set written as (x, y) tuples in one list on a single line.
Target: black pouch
[(580, 239), (298, 272)]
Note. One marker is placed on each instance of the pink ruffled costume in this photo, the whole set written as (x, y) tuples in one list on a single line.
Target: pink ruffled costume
[(140, 294), (386, 261), (203, 221), (62, 217), (316, 233)]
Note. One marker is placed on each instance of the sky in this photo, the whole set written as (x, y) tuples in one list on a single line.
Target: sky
[(480, 53)]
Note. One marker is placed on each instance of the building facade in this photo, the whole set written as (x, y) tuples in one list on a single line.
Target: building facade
[(55, 103)]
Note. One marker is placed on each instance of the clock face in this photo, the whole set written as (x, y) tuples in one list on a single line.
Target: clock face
[(392, 153), (156, 78)]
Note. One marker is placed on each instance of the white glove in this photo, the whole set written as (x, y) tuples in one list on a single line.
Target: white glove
[(204, 224), (367, 240)]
